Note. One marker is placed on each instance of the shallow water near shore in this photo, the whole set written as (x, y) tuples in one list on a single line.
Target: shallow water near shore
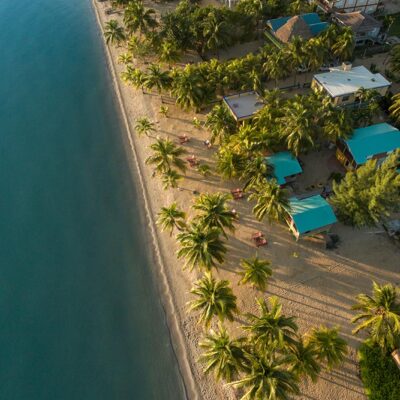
[(80, 316)]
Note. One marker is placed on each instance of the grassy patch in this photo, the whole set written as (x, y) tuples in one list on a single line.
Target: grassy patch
[(380, 376)]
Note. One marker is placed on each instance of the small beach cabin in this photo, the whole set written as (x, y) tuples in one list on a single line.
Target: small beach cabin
[(372, 142), (309, 216), (243, 105), (304, 26), (286, 167), (342, 83)]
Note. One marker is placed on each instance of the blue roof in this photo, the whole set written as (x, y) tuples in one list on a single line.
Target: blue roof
[(311, 19), (311, 213), (372, 140), (284, 164)]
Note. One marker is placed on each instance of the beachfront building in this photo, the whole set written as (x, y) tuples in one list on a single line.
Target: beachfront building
[(309, 216), (285, 166), (305, 26), (342, 83), (372, 142), (347, 6), (366, 28), (243, 105)]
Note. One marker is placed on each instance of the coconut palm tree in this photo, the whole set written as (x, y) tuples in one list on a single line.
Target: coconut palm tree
[(221, 354), (255, 172), (315, 53), (201, 247), (133, 76), (268, 378), (164, 111), (380, 315), (171, 217), (297, 127), (271, 329), (216, 33), (213, 211), (138, 18), (169, 53), (166, 154), (272, 201), (113, 32), (395, 59), (303, 360), (214, 298), (229, 163), (125, 58), (157, 78), (394, 109), (221, 123), (328, 345), (277, 66), (256, 272), (171, 179), (144, 126), (344, 45)]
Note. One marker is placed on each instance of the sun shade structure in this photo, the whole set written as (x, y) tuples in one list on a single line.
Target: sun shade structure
[(374, 141), (243, 105), (305, 26), (285, 166), (342, 83), (310, 215)]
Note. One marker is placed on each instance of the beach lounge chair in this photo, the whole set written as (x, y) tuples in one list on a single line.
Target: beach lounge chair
[(183, 139), (237, 194), (192, 160)]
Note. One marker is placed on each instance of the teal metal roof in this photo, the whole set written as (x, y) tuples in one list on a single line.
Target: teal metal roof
[(371, 140), (311, 213), (284, 164)]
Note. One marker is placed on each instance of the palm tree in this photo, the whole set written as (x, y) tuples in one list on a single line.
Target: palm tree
[(328, 345), (170, 179), (255, 172), (303, 360), (164, 111), (395, 59), (171, 217), (272, 201), (214, 298), (380, 316), (221, 354), (394, 109), (216, 33), (201, 247), (271, 329), (157, 78), (113, 32), (133, 76), (138, 18), (297, 126), (268, 379), (344, 45), (144, 126), (169, 53), (256, 271), (166, 154), (221, 123), (277, 65), (213, 212), (315, 53), (230, 164), (125, 58)]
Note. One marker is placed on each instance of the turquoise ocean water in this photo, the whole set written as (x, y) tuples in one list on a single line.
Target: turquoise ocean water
[(80, 317)]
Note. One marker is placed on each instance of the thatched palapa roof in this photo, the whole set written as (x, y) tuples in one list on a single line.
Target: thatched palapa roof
[(295, 26)]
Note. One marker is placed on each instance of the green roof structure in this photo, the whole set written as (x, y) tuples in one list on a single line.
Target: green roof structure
[(311, 214), (373, 140), (284, 164)]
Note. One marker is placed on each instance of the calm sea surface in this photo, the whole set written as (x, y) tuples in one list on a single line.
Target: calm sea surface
[(80, 317)]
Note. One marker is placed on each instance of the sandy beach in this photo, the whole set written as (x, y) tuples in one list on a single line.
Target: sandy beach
[(316, 285)]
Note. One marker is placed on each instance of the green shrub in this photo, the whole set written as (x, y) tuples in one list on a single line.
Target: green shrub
[(380, 376)]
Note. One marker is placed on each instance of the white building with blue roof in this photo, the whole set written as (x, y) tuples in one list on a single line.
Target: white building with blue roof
[(372, 142), (309, 216)]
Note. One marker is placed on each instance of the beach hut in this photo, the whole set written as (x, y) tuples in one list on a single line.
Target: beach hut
[(243, 105), (285, 166), (309, 216), (372, 142)]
